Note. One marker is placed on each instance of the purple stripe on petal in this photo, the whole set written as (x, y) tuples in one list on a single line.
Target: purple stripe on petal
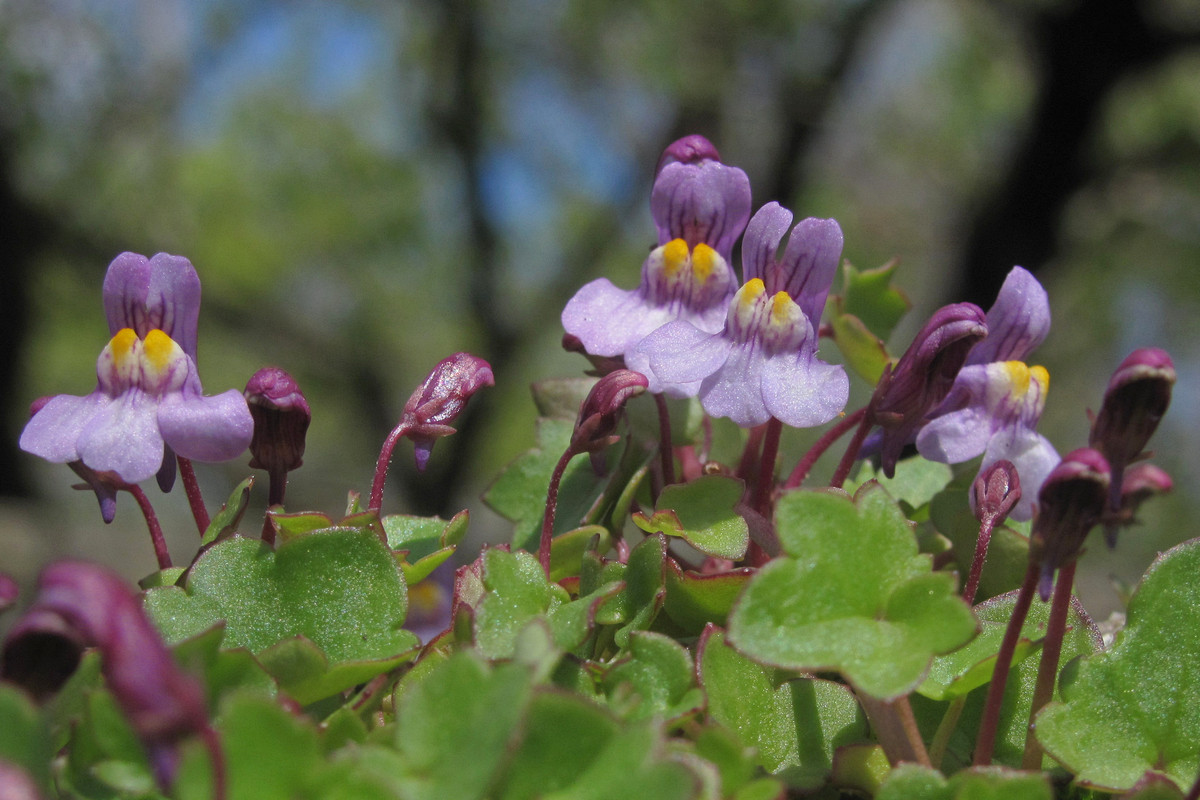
[(705, 202), (1017, 322), (809, 263), (202, 428), (760, 245)]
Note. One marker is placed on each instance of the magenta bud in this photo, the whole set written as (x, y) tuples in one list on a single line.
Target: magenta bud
[(996, 491), (1136, 399), (441, 398), (1071, 502), (923, 376), (82, 605), (596, 426), (281, 418), (688, 150), (9, 592)]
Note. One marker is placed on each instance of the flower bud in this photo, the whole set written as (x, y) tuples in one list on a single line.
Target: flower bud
[(1139, 484), (441, 398), (602, 409), (1071, 502), (1136, 399), (281, 418), (995, 492), (688, 150), (82, 605), (923, 376)]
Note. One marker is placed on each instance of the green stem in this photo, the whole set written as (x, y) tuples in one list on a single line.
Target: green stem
[(941, 739), (1047, 675)]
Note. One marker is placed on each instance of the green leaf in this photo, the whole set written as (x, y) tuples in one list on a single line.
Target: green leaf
[(702, 512), (914, 782), (560, 398), (223, 671), (24, 737), (795, 726), (916, 481), (633, 764), (869, 295), (863, 351), (852, 594), (1136, 707), (641, 597), (694, 599), (659, 671), (225, 522), (519, 494), (322, 612), (427, 542)]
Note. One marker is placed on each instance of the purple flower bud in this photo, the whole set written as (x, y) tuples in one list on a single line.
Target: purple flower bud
[(1139, 483), (1071, 502), (82, 605), (924, 375), (995, 492), (441, 398), (281, 417), (688, 150), (602, 409), (1136, 399)]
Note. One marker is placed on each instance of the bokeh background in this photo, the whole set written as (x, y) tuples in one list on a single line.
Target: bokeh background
[(366, 187)]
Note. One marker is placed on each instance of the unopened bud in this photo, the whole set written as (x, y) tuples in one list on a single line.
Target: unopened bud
[(1136, 399), (1071, 502), (281, 418), (441, 398), (923, 376), (688, 150), (995, 492), (1139, 484), (595, 428)]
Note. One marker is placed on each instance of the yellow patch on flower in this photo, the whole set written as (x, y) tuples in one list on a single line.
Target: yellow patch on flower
[(124, 348), (160, 349), (704, 262), (675, 257)]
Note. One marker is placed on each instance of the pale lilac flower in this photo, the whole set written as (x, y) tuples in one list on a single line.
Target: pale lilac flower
[(996, 408), (763, 364), (996, 401), (148, 404), (700, 207)]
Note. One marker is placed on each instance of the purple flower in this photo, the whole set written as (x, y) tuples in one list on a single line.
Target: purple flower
[(996, 410), (81, 605), (996, 401), (763, 363), (700, 207), (1071, 502), (148, 403)]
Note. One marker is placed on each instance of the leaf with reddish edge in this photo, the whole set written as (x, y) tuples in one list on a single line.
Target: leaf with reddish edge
[(660, 672), (696, 599), (794, 725), (851, 594), (703, 513)]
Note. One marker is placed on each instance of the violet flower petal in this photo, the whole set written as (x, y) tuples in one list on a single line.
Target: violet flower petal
[(680, 356), (803, 391), (1017, 322), (760, 244), (53, 432), (609, 320), (956, 437), (701, 202), (124, 438), (162, 292), (809, 263), (203, 428)]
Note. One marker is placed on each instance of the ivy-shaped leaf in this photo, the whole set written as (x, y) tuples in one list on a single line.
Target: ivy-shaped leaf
[(660, 672), (851, 594), (915, 483), (1136, 707), (704, 514), (695, 599), (321, 613), (427, 542), (24, 736), (869, 295), (225, 522), (795, 726), (863, 351), (641, 596)]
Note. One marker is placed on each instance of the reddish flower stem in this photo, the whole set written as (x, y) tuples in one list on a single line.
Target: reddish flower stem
[(191, 488), (1047, 676), (156, 535), (665, 451), (986, 743), (750, 454), (212, 743), (800, 473), (381, 466), (843, 468), (765, 486), (552, 510), (981, 548)]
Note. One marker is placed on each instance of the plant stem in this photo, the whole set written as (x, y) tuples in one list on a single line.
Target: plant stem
[(275, 492), (986, 742), (1047, 675), (665, 451), (156, 535), (750, 454), (765, 486), (941, 739), (552, 509), (896, 727), (191, 488), (843, 467), (212, 742), (817, 450), (381, 466), (981, 548)]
